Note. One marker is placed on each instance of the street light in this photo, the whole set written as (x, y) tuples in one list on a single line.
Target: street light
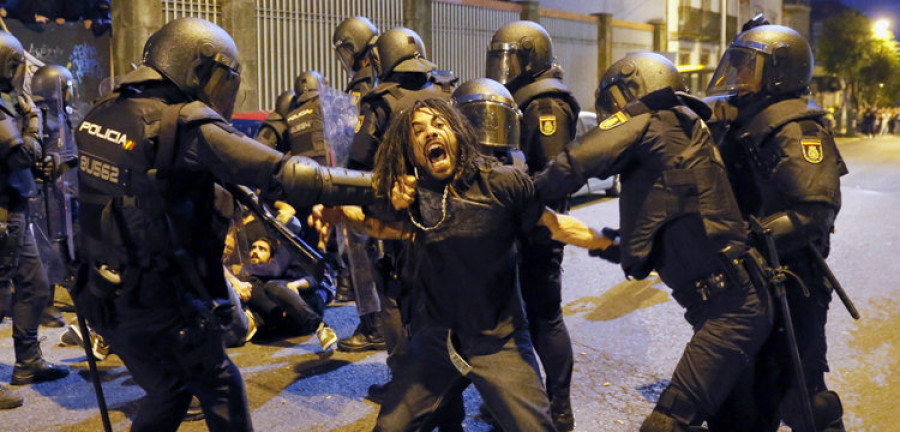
[(881, 29)]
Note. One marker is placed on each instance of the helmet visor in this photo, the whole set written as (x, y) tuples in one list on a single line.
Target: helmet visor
[(345, 55), (496, 124), (503, 63), (740, 72), (610, 100), (221, 90)]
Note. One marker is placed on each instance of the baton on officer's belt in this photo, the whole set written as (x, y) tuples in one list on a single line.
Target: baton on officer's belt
[(81, 281), (834, 283), (776, 275), (313, 263)]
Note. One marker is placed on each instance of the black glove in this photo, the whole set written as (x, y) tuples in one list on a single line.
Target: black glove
[(613, 253), (47, 169)]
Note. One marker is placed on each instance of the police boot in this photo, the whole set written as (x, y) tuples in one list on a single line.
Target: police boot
[(827, 410), (30, 364), (561, 414), (9, 399), (344, 289), (674, 412), (365, 337)]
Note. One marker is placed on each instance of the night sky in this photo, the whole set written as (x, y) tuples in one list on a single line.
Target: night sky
[(876, 9)]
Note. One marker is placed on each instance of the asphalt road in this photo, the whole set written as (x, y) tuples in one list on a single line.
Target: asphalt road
[(627, 337)]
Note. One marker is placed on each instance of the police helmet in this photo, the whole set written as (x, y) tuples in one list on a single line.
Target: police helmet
[(519, 50), (200, 58), (12, 63), (352, 40), (52, 84), (492, 111), (307, 85), (632, 78), (284, 103), (768, 60), (400, 50)]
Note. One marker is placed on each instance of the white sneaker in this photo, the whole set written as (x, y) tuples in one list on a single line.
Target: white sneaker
[(252, 326), (72, 336), (327, 337)]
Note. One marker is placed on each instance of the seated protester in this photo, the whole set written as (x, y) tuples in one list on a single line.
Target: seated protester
[(288, 301), (462, 214), (243, 326)]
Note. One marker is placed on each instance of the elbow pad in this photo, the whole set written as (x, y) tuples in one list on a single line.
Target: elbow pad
[(306, 183), (793, 230)]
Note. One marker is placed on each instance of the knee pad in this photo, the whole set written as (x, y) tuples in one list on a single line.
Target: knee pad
[(827, 410), (675, 405)]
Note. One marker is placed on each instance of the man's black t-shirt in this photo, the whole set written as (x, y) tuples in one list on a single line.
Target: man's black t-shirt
[(466, 267)]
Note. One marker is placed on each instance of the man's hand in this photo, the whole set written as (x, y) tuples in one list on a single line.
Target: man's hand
[(298, 285), (47, 168), (612, 252), (243, 290), (403, 193), (32, 116)]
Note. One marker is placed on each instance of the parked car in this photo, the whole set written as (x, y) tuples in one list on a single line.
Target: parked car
[(609, 186)]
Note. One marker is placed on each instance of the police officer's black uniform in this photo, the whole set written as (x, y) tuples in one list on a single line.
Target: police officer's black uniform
[(785, 169), (20, 263), (273, 131), (150, 154), (305, 123), (550, 112), (679, 218)]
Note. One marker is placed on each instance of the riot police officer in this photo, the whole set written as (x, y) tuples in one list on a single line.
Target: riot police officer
[(53, 88), (151, 280), (494, 115), (520, 56), (273, 131), (679, 218), (306, 128), (353, 40), (20, 263), (403, 70), (785, 169)]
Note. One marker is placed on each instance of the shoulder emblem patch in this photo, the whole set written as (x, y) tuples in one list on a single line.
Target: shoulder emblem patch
[(354, 97), (548, 124), (613, 121), (359, 122), (812, 150)]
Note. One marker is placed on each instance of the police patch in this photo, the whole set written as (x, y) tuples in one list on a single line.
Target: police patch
[(812, 150), (548, 124), (613, 121), (359, 123)]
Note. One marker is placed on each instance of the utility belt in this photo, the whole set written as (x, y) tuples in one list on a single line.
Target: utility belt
[(736, 270)]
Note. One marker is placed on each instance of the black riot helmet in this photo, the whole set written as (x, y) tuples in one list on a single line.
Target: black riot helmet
[(53, 84), (200, 58), (519, 50), (400, 50), (768, 60), (284, 103), (632, 78), (492, 111), (307, 85), (12, 63), (352, 40)]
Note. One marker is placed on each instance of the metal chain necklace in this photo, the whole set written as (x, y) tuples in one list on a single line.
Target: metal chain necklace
[(443, 213)]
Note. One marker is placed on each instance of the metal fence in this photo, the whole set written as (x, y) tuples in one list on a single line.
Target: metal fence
[(461, 33), (206, 9), (295, 36), (630, 38)]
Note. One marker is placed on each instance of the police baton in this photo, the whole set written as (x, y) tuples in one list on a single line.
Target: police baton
[(776, 275), (834, 283)]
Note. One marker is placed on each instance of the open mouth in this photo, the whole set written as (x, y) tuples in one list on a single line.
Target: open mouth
[(437, 153)]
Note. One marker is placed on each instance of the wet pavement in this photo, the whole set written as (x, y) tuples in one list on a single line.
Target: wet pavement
[(627, 337)]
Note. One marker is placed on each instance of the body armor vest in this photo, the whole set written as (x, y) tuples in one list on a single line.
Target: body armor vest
[(814, 162), (548, 87), (393, 98), (307, 134), (360, 84), (684, 175)]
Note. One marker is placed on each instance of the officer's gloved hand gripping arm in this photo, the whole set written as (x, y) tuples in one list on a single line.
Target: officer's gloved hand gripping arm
[(235, 158), (801, 225)]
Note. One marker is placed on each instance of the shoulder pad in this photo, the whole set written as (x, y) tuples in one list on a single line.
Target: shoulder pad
[(140, 75), (198, 111), (544, 87), (696, 105), (775, 116), (380, 90)]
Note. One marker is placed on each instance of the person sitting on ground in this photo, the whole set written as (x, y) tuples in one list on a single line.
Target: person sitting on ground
[(287, 300)]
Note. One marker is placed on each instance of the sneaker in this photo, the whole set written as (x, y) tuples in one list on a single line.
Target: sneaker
[(252, 324), (327, 337), (72, 336), (195, 411), (9, 399), (99, 346)]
